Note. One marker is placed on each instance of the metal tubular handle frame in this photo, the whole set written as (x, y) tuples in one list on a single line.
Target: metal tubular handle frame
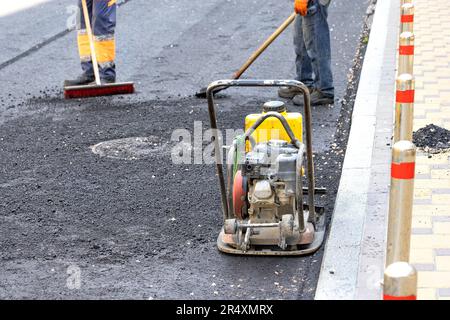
[(222, 84)]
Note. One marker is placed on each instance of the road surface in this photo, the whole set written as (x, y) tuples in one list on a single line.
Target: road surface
[(135, 225)]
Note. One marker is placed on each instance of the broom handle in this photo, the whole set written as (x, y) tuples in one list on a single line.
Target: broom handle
[(264, 46), (87, 22)]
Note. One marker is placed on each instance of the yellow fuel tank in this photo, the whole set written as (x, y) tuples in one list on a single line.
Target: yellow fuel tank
[(272, 128)]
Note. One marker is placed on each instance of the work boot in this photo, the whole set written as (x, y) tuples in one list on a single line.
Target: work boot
[(103, 81), (108, 80), (317, 99), (291, 92), (82, 80)]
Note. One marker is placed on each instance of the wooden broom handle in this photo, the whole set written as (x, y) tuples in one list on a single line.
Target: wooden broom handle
[(87, 22), (264, 46)]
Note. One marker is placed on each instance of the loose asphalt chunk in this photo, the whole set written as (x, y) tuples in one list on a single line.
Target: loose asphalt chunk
[(432, 138)]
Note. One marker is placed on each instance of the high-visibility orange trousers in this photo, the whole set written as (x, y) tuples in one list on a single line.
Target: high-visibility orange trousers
[(102, 14)]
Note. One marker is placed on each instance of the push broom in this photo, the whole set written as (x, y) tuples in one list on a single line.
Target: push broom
[(254, 56), (97, 89)]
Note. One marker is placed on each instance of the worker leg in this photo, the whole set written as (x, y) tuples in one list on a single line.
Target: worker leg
[(104, 24), (318, 45), (302, 62), (84, 49)]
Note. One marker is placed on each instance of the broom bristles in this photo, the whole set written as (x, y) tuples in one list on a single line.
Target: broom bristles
[(97, 91)]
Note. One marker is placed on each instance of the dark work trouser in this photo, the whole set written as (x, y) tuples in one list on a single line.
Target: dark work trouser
[(313, 49), (102, 14)]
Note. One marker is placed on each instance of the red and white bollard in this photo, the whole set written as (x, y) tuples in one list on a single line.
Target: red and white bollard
[(400, 282), (401, 202), (406, 53), (400, 278), (407, 18), (404, 108)]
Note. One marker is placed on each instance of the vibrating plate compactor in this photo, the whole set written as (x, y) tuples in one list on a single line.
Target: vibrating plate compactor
[(262, 190)]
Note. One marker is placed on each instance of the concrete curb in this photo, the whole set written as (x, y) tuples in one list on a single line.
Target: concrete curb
[(353, 261)]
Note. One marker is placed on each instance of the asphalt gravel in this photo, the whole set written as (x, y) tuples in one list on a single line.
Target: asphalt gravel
[(135, 225), (432, 138)]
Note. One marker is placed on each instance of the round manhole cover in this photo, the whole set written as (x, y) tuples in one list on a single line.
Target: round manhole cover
[(130, 148)]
